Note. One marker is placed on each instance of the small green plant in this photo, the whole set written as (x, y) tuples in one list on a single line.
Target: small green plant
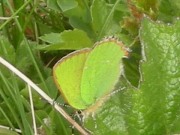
[(34, 35)]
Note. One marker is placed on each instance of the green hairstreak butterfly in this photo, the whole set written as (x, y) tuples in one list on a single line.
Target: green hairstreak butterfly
[(85, 76)]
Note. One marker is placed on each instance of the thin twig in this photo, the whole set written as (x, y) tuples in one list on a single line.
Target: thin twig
[(6, 18), (32, 110), (44, 95), (16, 130)]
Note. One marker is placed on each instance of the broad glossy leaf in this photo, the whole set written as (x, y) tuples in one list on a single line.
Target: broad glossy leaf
[(153, 108)]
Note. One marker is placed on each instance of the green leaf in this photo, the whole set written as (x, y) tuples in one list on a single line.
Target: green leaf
[(168, 10), (78, 13), (69, 40), (67, 5), (161, 82), (59, 124), (103, 22), (52, 4), (7, 51), (153, 109)]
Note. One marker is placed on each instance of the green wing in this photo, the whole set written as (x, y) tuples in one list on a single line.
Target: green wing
[(67, 75), (101, 70)]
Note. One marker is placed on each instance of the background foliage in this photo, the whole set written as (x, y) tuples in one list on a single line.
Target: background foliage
[(35, 34)]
